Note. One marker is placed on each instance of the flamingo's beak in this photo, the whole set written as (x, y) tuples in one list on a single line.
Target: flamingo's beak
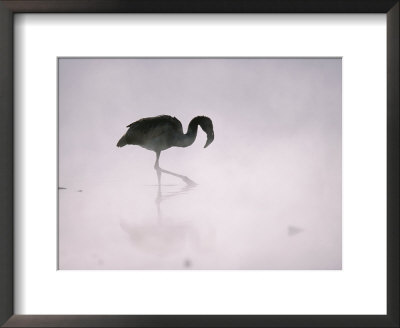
[(210, 139)]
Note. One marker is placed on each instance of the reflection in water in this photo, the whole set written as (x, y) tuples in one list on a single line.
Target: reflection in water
[(292, 230), (189, 184), (158, 239), (187, 263), (166, 235)]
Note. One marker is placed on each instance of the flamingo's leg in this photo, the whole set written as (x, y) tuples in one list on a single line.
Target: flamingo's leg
[(160, 170), (156, 164), (184, 178), (157, 167), (159, 177)]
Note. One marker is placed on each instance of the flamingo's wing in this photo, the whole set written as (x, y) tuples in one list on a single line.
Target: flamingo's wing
[(152, 122), (152, 127)]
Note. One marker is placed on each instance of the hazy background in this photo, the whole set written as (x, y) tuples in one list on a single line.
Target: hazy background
[(269, 186)]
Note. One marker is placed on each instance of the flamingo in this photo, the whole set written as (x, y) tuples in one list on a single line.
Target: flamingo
[(162, 132)]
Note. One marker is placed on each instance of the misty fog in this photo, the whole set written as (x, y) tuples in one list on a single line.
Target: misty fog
[(268, 189)]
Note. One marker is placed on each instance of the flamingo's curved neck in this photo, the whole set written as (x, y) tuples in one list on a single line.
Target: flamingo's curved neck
[(190, 136)]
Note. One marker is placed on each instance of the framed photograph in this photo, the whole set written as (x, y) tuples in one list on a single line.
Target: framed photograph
[(199, 164)]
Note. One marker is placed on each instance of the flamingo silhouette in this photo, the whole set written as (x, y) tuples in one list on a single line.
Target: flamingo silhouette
[(162, 132)]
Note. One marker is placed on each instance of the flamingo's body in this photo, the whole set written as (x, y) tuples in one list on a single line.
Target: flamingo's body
[(162, 132)]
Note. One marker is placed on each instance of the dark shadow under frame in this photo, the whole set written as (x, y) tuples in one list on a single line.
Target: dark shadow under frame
[(7, 10)]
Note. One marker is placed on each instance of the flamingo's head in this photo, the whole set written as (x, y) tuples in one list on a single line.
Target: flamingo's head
[(207, 126), (210, 138)]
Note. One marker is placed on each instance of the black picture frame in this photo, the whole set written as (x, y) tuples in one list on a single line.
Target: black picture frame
[(10, 7)]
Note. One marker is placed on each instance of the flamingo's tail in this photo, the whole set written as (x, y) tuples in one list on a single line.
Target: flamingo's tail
[(122, 142)]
